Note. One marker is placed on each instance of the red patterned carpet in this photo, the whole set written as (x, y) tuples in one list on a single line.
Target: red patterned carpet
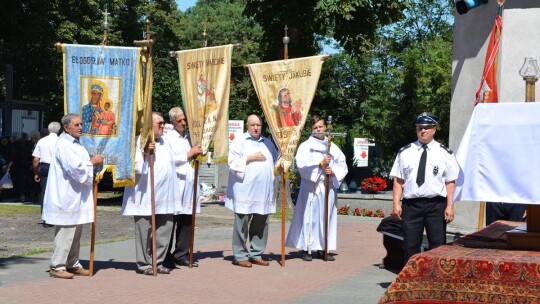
[(456, 274)]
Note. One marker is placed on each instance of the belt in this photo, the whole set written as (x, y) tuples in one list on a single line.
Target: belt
[(425, 199)]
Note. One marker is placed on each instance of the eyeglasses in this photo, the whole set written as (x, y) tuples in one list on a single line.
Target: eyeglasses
[(160, 124)]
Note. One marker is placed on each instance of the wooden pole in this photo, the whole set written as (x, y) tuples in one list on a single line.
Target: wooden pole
[(481, 214), (283, 182), (193, 211), (105, 26), (153, 217), (327, 192), (283, 213), (326, 195), (93, 237)]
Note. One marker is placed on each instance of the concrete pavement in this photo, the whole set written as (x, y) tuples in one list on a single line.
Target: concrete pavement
[(353, 278)]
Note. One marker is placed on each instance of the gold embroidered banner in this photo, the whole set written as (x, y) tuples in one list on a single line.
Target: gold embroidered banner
[(205, 76), (285, 89)]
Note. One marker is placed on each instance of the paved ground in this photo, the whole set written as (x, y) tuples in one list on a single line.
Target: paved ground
[(353, 278)]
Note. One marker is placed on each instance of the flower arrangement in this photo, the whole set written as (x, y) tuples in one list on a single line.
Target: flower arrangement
[(344, 210), (373, 184), (369, 213)]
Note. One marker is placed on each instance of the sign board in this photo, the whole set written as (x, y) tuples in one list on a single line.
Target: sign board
[(236, 129), (361, 151)]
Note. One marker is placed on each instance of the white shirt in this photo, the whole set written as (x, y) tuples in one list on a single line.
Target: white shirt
[(69, 199), (137, 200), (45, 147), (185, 173), (250, 188), (441, 168)]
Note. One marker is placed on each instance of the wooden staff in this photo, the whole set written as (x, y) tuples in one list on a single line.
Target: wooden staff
[(196, 163), (153, 204), (193, 211), (327, 192), (283, 213), (283, 181), (481, 215), (105, 26), (93, 236), (148, 82)]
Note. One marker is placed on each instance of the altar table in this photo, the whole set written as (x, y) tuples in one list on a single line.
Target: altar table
[(458, 274)]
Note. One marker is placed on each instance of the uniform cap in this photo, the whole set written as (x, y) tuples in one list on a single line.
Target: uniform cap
[(426, 119)]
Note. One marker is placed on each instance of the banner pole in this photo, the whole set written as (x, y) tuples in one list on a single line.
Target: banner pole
[(283, 213), (193, 211), (283, 182), (93, 236), (95, 191)]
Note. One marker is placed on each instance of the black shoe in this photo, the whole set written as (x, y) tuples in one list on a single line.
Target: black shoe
[(329, 258), (306, 256), (185, 263)]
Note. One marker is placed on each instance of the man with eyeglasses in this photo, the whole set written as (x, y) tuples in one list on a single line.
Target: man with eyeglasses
[(424, 175), (137, 200)]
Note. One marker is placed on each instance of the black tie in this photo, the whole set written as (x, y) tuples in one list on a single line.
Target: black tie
[(422, 167)]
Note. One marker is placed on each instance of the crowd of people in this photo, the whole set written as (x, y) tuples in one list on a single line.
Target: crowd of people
[(16, 159), (424, 175)]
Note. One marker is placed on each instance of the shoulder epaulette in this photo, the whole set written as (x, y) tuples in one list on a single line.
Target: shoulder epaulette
[(447, 149), (404, 148)]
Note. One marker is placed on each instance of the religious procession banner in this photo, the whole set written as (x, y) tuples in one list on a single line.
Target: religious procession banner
[(286, 89), (205, 78), (101, 84)]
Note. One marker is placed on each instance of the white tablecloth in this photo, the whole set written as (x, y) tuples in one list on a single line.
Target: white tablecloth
[(500, 154)]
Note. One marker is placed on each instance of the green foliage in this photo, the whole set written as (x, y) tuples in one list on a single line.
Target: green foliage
[(353, 23)]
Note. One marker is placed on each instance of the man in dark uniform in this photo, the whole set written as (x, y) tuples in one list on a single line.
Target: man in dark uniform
[(424, 174)]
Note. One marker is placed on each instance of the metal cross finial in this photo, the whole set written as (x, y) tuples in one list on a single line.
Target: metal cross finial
[(286, 45), (204, 35), (105, 26), (105, 15)]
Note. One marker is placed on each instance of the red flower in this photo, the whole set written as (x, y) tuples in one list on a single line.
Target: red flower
[(373, 184)]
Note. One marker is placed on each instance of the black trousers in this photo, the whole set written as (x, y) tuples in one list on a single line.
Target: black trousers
[(43, 174), (420, 213), (182, 234)]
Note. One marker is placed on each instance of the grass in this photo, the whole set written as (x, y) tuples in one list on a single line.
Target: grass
[(13, 210)]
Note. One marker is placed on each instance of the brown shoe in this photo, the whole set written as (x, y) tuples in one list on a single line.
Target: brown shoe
[(79, 271), (259, 262), (242, 263), (60, 274)]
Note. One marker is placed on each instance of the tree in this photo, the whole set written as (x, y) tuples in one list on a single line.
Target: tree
[(352, 23), (225, 24)]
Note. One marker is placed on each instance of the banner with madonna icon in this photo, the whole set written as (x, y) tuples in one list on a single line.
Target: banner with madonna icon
[(286, 89), (101, 84)]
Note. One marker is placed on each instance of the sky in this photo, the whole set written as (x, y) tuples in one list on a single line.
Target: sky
[(185, 4)]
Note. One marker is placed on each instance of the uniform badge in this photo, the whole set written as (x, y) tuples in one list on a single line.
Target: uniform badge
[(435, 170)]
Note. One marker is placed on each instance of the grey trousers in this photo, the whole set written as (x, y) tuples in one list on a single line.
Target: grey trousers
[(67, 242), (254, 226), (143, 239)]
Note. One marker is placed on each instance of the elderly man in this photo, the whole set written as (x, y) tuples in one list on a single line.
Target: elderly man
[(180, 143), (69, 200), (42, 157), (137, 200), (424, 174), (250, 192)]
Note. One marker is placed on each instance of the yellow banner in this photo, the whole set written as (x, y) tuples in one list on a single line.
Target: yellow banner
[(205, 80), (285, 89)]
